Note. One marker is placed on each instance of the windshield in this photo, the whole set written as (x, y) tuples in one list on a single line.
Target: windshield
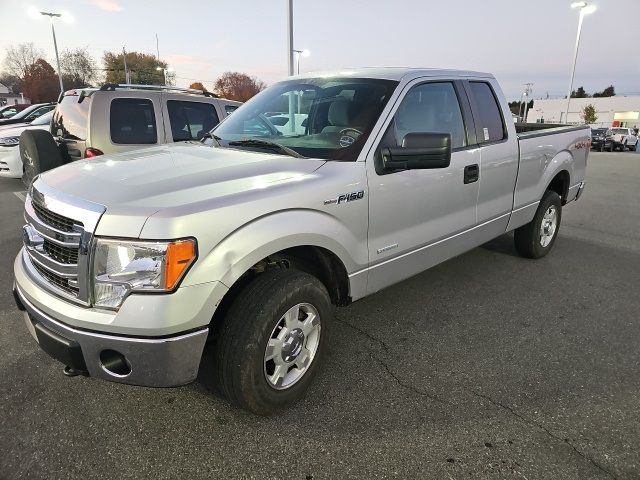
[(328, 118), (44, 119)]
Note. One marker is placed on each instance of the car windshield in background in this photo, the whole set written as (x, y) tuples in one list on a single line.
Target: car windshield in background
[(328, 118), (598, 131)]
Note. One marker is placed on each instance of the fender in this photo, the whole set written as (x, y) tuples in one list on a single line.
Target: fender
[(264, 236)]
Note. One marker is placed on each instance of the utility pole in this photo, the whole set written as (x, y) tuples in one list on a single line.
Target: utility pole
[(127, 77), (527, 95), (292, 100)]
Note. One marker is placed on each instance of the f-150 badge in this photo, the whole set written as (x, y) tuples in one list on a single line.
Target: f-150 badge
[(346, 197)]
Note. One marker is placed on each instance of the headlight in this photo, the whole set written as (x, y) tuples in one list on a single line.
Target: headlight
[(121, 267), (9, 141)]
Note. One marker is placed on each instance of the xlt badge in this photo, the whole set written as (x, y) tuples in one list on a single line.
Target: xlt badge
[(345, 197)]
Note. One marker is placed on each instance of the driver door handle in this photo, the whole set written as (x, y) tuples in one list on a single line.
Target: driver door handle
[(471, 173)]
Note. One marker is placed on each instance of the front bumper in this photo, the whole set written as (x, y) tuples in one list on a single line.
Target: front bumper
[(152, 362), (10, 162)]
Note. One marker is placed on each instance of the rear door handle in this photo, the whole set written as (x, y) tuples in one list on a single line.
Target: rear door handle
[(471, 173)]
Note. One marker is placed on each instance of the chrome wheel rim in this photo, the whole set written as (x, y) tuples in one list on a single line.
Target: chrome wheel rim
[(292, 346), (548, 226)]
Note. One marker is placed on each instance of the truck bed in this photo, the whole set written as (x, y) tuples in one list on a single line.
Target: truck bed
[(539, 129)]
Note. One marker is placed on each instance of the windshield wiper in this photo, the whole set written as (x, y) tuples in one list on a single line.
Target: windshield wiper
[(273, 146)]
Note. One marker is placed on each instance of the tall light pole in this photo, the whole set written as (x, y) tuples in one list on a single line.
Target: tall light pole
[(290, 35), (585, 9), (301, 53), (64, 17)]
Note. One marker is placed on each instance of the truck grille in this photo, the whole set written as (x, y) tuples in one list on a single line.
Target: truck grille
[(52, 243), (60, 282), (53, 219), (66, 255)]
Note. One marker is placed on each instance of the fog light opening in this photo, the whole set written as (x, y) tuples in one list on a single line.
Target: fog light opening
[(115, 363)]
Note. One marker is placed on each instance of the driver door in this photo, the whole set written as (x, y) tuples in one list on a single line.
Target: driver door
[(418, 218)]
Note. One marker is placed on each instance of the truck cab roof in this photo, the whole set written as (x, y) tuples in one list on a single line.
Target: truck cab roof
[(395, 73)]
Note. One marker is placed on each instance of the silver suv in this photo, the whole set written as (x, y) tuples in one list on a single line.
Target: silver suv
[(117, 118)]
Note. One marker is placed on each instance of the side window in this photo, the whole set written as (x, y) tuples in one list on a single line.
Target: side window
[(488, 118), (191, 120), (229, 109), (133, 121), (430, 108)]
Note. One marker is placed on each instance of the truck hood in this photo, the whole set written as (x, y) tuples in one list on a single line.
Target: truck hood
[(136, 184)]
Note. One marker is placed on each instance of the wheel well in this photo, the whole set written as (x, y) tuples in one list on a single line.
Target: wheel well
[(560, 185), (317, 261)]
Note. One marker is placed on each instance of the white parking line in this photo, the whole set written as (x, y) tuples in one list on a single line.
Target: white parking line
[(20, 196)]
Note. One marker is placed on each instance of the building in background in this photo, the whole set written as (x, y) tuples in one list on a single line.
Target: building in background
[(9, 98), (617, 111)]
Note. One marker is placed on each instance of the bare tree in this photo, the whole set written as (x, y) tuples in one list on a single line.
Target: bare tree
[(78, 67), (18, 58), (238, 86)]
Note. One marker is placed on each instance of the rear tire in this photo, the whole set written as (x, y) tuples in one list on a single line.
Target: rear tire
[(39, 153), (537, 238), (263, 346)]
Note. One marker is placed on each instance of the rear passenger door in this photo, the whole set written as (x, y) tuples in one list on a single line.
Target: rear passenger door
[(188, 118), (498, 157)]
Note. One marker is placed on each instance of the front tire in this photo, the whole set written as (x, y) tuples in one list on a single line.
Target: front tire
[(536, 238), (273, 340)]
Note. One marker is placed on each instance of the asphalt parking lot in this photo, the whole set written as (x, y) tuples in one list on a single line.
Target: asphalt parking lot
[(488, 366)]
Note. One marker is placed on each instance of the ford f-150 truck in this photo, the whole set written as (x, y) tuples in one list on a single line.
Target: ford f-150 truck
[(247, 240)]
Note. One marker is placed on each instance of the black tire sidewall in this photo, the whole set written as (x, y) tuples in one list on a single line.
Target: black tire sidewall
[(41, 148), (550, 198), (251, 320)]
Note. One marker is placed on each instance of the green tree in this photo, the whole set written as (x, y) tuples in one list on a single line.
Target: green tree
[(610, 91), (588, 114), (40, 82), (145, 69), (78, 67), (579, 93)]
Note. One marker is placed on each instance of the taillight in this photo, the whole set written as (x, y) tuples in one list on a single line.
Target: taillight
[(92, 152)]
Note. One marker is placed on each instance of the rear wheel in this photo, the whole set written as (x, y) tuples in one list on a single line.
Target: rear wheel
[(536, 238), (273, 340)]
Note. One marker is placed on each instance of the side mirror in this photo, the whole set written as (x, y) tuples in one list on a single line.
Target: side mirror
[(419, 151)]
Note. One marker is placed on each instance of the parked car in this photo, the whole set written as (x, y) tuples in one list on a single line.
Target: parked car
[(601, 139), (131, 262), (10, 161), (28, 115), (9, 111), (118, 118), (623, 138)]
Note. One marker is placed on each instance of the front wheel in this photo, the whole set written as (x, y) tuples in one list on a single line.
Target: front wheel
[(536, 238), (273, 340)]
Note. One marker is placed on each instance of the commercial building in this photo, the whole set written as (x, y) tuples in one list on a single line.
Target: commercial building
[(618, 111)]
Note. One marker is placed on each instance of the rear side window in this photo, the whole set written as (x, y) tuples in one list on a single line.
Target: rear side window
[(229, 109), (191, 120), (488, 117), (133, 121)]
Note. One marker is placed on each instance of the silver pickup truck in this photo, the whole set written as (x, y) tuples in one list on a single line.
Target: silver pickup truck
[(319, 191)]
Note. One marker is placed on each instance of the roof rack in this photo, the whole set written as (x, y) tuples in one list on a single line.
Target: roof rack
[(160, 88)]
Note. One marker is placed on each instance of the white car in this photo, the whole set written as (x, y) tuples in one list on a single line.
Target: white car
[(10, 161), (623, 138)]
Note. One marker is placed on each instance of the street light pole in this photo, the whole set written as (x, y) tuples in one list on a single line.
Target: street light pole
[(290, 36), (55, 43), (300, 53), (585, 9)]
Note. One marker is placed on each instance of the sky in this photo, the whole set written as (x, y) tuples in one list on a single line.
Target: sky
[(518, 41)]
